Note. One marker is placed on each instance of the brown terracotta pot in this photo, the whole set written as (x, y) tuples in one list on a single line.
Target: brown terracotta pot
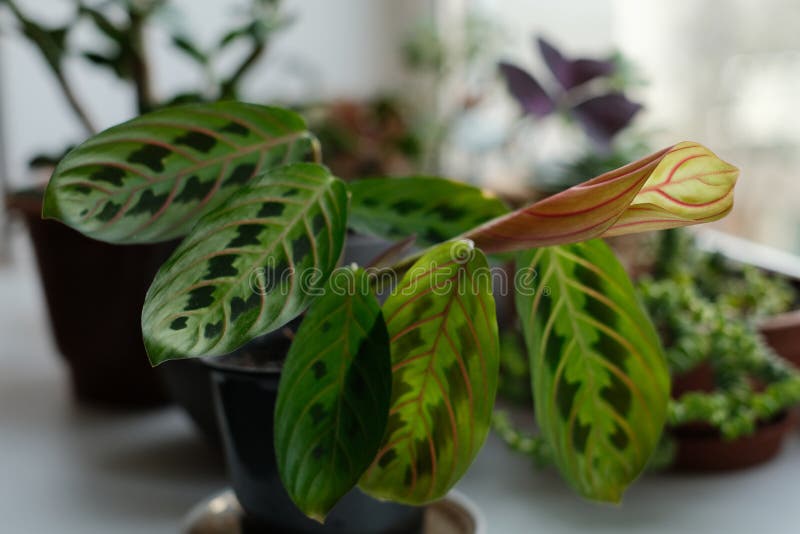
[(700, 378), (782, 333), (94, 293), (701, 447)]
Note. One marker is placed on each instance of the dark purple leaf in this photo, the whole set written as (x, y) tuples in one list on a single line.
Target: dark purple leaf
[(602, 117), (527, 91), (572, 72)]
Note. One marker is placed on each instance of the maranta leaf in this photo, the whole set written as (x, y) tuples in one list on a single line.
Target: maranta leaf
[(600, 380), (433, 209), (151, 178), (249, 267), (445, 358), (333, 400), (678, 186)]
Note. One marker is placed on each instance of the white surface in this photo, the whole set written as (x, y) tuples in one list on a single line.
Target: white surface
[(77, 471)]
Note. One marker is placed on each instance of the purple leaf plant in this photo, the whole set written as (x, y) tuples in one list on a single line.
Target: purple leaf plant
[(601, 116)]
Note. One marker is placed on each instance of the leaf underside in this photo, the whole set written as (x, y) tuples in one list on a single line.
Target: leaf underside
[(600, 381), (334, 395), (444, 342), (681, 185), (151, 178), (433, 209), (249, 267)]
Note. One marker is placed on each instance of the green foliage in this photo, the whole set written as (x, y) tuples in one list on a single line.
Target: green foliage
[(443, 333), (123, 24), (151, 178), (600, 381), (753, 384), (248, 267), (514, 382), (743, 291), (433, 209), (333, 400), (398, 399)]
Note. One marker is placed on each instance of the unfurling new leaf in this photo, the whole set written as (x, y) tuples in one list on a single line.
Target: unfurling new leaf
[(678, 186)]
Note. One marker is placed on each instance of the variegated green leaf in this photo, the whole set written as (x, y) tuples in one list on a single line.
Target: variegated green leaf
[(333, 400), (433, 209), (445, 359), (249, 266), (149, 179), (600, 380)]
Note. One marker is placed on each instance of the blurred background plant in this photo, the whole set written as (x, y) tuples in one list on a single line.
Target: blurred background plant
[(124, 52), (585, 94)]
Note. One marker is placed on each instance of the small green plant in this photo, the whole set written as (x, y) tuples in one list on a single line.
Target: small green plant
[(743, 291), (124, 53), (395, 398), (752, 384)]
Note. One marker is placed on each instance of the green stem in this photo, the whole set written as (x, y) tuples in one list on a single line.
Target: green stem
[(139, 65), (229, 88), (55, 67)]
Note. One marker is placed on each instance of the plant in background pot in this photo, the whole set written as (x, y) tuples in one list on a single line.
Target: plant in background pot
[(768, 300), (588, 93), (394, 398), (87, 282), (732, 394)]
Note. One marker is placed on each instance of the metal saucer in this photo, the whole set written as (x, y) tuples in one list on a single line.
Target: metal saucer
[(222, 514)]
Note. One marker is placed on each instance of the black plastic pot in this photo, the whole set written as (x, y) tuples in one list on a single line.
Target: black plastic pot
[(245, 402), (94, 294)]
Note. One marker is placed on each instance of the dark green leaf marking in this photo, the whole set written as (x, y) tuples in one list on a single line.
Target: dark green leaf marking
[(238, 275), (199, 141), (194, 190), (148, 203), (240, 175), (600, 382), (151, 178), (433, 209), (151, 156), (271, 209), (333, 399), (445, 359)]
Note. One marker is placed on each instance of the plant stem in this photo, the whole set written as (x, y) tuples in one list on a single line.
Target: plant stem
[(139, 66), (75, 105), (55, 66), (229, 88)]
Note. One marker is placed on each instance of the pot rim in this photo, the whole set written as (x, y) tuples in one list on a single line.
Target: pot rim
[(782, 422), (782, 321)]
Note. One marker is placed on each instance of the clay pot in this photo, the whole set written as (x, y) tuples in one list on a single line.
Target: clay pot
[(94, 294), (782, 333), (700, 447), (700, 378)]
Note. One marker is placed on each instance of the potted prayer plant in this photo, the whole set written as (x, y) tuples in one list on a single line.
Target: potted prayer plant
[(395, 399), (86, 283)]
